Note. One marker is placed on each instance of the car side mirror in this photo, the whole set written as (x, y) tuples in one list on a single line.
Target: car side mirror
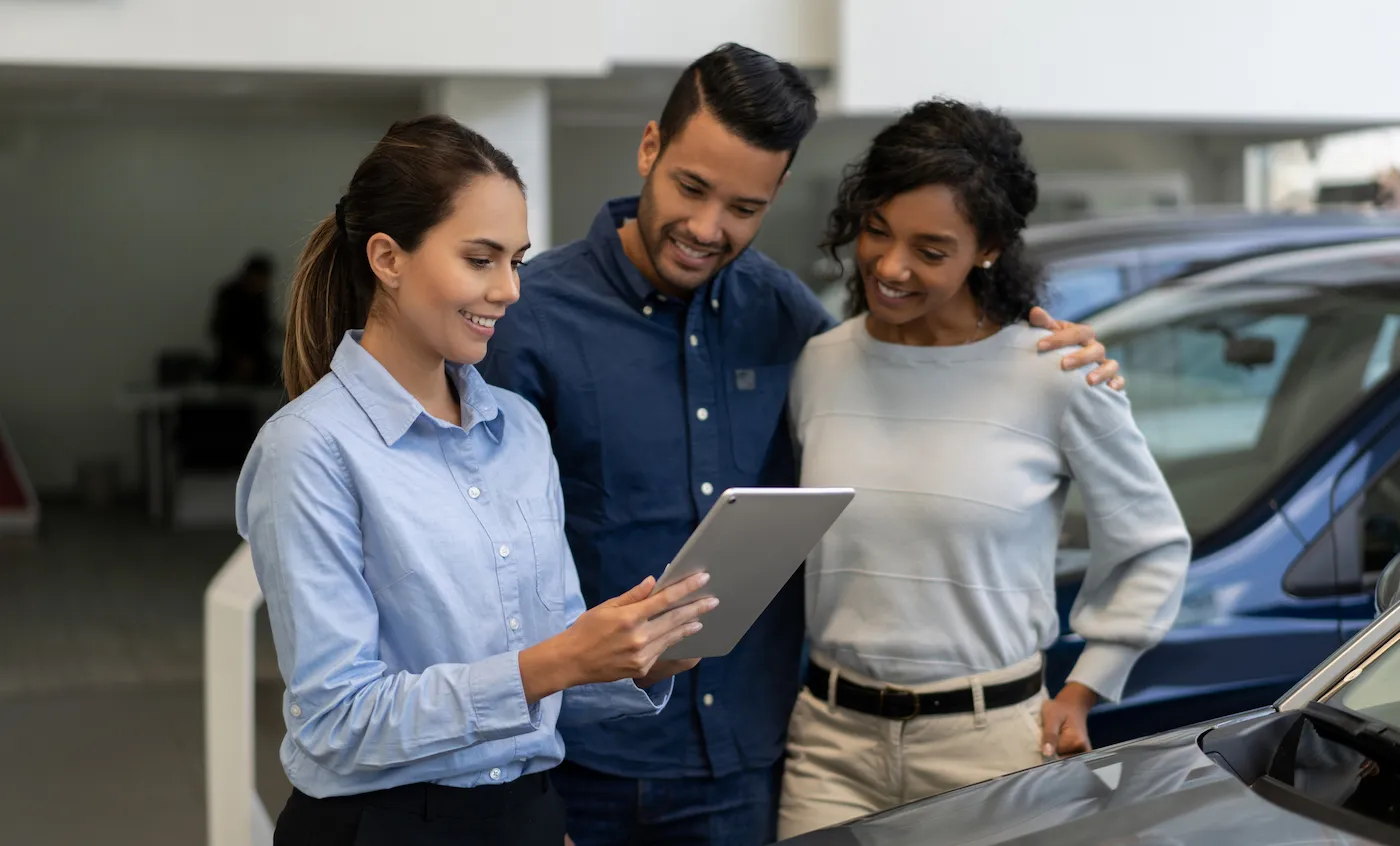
[(1250, 351), (1388, 586)]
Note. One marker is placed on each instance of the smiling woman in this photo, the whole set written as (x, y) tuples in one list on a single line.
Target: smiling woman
[(931, 600), (406, 527)]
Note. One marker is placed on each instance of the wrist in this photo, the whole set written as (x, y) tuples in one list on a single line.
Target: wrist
[(547, 668), (1078, 696)]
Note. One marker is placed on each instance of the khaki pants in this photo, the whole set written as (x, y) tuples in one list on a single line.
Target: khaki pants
[(843, 764)]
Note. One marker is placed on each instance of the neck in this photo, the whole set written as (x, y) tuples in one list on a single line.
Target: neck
[(958, 321), (413, 365), (635, 249)]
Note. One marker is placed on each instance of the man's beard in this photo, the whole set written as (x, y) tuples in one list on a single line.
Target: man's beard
[(655, 245)]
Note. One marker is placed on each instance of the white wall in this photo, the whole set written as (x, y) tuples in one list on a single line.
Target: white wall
[(1206, 60), (658, 32), (439, 37), (115, 232), (428, 37)]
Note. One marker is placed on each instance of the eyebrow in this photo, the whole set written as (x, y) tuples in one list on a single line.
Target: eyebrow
[(928, 237), (494, 245), (705, 183)]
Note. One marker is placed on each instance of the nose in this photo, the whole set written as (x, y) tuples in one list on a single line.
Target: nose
[(889, 267), (705, 226), (504, 289)]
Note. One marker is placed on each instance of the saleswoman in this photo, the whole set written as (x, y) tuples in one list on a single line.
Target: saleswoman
[(406, 526)]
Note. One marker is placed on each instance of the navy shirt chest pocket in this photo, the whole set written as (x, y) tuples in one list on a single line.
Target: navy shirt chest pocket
[(757, 397), (546, 527)]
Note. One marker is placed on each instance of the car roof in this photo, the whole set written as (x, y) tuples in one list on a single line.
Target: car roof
[(1059, 240), (1269, 277), (1332, 264)]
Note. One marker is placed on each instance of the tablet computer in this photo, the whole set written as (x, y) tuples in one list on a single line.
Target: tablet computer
[(751, 542)]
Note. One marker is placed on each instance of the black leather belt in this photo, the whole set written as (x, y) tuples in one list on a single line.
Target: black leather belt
[(897, 704)]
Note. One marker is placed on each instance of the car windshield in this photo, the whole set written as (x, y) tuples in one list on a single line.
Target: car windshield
[(1230, 383), (1374, 689)]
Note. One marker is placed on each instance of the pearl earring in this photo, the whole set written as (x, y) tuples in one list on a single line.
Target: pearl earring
[(987, 265)]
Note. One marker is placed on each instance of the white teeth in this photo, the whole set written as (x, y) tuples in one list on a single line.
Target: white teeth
[(892, 293), (689, 250), (488, 322)]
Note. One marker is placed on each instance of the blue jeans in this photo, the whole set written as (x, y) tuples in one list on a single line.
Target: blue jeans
[(606, 810)]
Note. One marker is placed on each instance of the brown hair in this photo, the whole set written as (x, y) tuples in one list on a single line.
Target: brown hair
[(403, 188)]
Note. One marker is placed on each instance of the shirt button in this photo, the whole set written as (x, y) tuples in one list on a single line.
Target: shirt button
[(505, 551), (296, 710), (707, 489), (474, 492), (708, 699), (495, 773), (714, 304), (514, 624), (703, 414), (647, 310), (694, 341)]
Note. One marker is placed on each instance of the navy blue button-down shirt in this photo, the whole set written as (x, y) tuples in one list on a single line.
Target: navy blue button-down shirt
[(655, 406)]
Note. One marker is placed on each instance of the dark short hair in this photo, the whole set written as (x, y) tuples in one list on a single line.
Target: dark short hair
[(766, 102), (976, 153)]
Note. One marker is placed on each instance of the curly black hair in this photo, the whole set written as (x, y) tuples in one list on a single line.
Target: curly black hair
[(976, 153)]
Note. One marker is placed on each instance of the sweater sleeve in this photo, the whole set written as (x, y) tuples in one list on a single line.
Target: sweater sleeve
[(1139, 549)]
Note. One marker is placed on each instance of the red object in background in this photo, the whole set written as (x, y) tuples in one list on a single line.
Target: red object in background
[(12, 495), (19, 511)]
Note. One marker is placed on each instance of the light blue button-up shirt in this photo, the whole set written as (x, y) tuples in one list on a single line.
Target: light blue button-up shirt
[(406, 562)]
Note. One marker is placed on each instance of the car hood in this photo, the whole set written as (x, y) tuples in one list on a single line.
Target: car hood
[(1161, 790)]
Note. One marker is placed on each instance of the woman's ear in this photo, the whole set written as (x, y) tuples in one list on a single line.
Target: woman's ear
[(385, 259), (988, 260)]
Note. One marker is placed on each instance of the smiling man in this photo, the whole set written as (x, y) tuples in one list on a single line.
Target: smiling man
[(658, 350)]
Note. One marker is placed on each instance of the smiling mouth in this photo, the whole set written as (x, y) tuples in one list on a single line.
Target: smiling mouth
[(484, 322), (892, 293), (694, 253)]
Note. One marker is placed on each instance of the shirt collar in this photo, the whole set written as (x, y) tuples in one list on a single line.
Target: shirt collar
[(392, 409), (622, 273)]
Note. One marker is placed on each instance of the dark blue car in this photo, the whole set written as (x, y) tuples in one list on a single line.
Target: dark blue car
[(1091, 265), (1267, 390)]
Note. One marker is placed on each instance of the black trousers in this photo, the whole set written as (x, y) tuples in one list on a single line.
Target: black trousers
[(527, 811)]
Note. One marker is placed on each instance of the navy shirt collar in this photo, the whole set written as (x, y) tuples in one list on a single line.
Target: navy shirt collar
[(621, 272), (392, 409)]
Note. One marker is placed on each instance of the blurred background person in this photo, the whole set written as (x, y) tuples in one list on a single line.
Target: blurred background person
[(242, 326)]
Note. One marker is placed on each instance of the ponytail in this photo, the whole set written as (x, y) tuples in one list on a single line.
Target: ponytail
[(328, 299)]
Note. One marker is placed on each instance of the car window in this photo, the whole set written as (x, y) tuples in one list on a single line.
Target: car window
[(1380, 522), (1374, 688), (1230, 384), (1383, 356), (1190, 399), (1074, 291)]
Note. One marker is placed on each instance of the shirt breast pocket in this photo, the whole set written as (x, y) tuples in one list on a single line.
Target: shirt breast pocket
[(757, 396), (546, 526)]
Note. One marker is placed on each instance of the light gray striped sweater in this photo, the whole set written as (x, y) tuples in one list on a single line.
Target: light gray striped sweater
[(943, 566)]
